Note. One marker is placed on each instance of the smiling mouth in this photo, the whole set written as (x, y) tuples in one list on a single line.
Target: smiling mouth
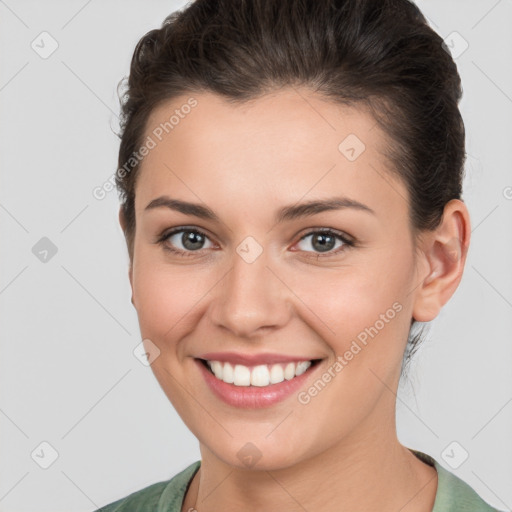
[(257, 375)]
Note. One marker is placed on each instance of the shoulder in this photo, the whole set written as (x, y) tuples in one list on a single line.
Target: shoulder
[(143, 499), (165, 496), (458, 495), (453, 494)]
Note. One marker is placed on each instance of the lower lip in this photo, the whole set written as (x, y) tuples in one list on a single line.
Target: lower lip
[(254, 397)]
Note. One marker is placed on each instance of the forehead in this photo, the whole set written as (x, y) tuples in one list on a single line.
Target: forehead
[(299, 119), (285, 144)]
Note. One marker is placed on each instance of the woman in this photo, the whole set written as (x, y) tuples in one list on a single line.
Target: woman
[(291, 178)]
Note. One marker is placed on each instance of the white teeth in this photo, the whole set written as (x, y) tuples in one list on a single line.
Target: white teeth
[(242, 376), (276, 374), (260, 376), (217, 369), (289, 371), (302, 367), (228, 373)]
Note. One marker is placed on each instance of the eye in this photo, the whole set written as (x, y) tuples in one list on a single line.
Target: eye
[(324, 241), (184, 241)]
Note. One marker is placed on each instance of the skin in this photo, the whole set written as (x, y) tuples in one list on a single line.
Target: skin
[(340, 451)]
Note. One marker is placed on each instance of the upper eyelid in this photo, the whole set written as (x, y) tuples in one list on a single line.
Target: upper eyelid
[(336, 232), (173, 231)]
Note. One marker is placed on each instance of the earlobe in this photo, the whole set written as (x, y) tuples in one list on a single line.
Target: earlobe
[(444, 251)]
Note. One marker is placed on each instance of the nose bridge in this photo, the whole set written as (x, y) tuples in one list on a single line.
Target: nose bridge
[(250, 297)]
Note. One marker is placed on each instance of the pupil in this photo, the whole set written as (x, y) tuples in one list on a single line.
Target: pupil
[(192, 240), (326, 242)]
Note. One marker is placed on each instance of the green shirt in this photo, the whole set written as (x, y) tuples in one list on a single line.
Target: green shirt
[(453, 494)]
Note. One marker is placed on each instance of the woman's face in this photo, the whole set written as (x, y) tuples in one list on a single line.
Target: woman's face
[(259, 278)]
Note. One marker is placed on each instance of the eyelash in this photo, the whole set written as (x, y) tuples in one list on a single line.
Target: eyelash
[(348, 242)]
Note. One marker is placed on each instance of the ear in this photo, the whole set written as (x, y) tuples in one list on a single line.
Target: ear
[(122, 222), (443, 254)]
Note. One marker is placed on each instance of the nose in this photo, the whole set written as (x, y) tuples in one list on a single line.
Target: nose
[(250, 300)]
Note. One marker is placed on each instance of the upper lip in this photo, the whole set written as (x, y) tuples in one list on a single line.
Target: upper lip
[(253, 359)]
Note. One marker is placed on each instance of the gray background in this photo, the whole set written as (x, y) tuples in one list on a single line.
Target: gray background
[(68, 375)]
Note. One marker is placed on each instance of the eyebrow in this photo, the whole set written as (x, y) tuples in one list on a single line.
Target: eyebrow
[(286, 213)]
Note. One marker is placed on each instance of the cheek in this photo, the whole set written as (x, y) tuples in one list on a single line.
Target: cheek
[(366, 302), (351, 297), (165, 298)]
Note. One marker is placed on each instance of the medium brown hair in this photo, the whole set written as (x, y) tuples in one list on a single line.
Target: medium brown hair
[(380, 54)]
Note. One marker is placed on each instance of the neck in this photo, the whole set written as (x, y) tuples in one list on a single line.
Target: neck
[(367, 470)]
